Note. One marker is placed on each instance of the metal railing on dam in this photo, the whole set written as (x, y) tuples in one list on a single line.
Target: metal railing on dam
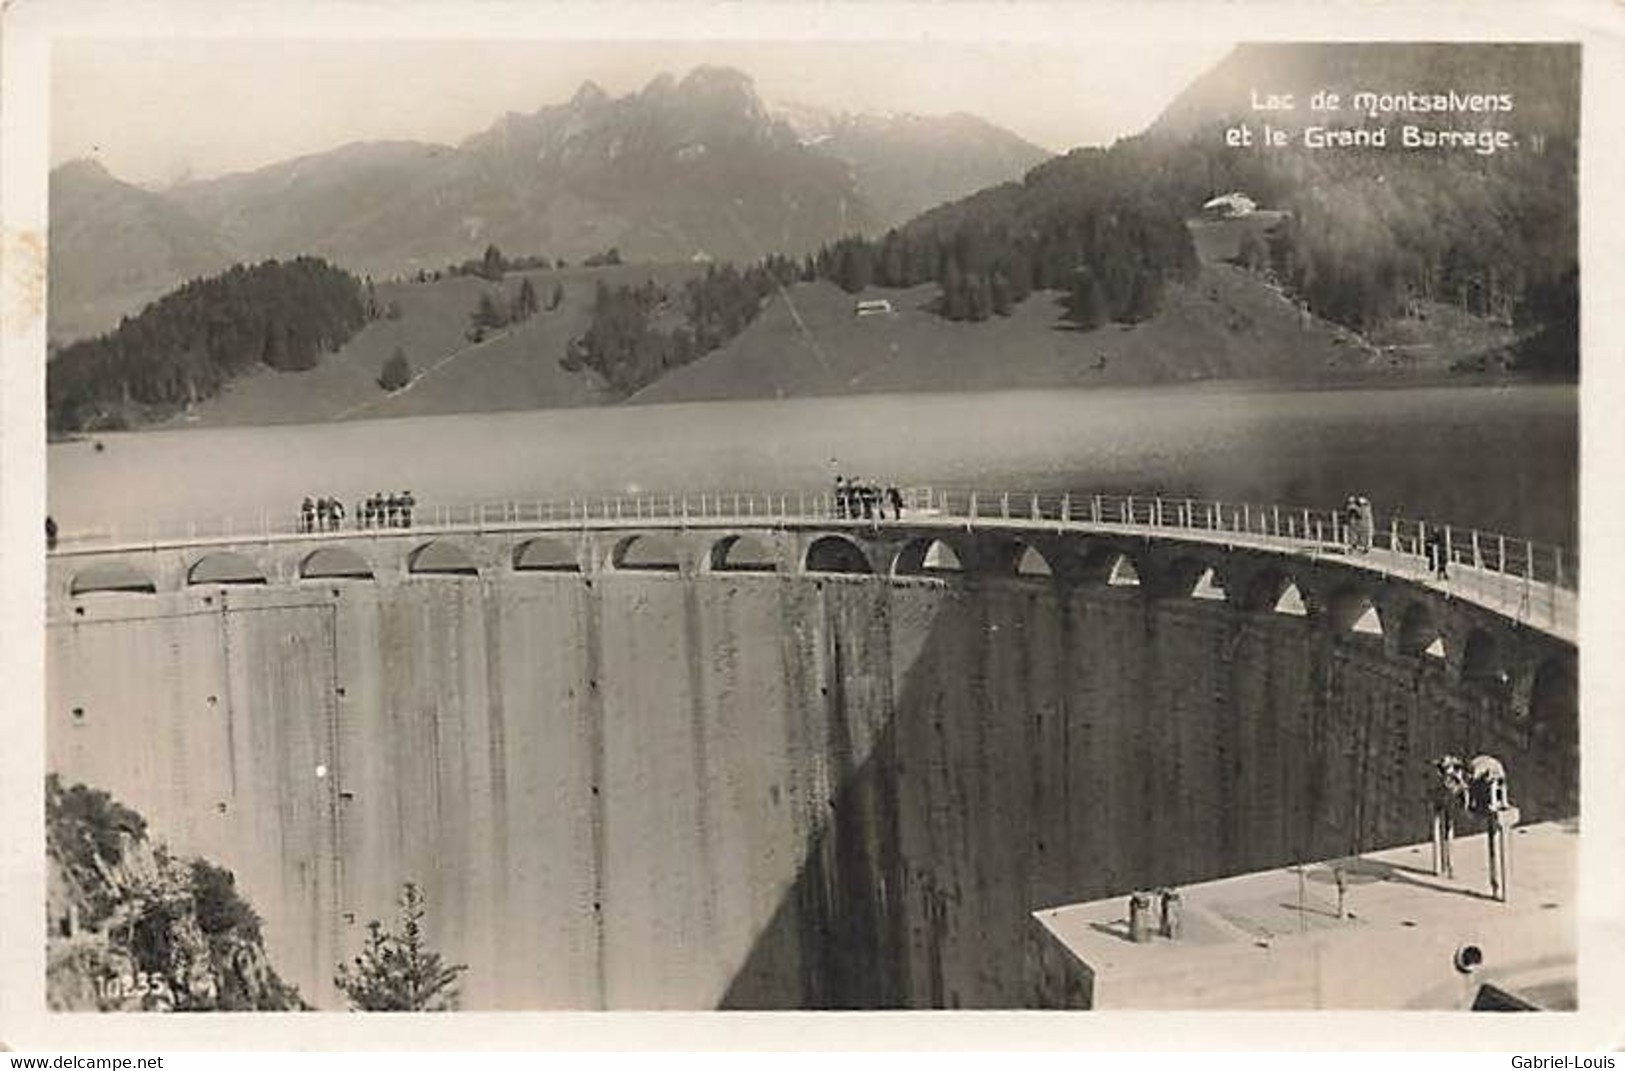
[(1527, 582)]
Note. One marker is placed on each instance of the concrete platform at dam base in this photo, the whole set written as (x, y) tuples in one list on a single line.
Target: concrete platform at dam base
[(1406, 939)]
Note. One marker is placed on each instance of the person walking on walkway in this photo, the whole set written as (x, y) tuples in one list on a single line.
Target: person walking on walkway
[(895, 498), (307, 515), (1437, 564)]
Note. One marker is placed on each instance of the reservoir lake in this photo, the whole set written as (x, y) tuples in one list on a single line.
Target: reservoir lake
[(1500, 458)]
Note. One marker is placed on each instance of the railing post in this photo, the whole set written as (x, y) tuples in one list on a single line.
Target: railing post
[(1275, 520), (1449, 557), (1501, 554), (1032, 511), (1156, 511), (1094, 509), (1246, 518), (1558, 558), (1190, 516), (1066, 507), (973, 505), (1128, 510)]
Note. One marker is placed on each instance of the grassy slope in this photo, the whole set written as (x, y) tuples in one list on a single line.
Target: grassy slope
[(1226, 324), (515, 369)]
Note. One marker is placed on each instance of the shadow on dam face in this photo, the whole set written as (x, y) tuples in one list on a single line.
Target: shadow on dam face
[(1046, 748)]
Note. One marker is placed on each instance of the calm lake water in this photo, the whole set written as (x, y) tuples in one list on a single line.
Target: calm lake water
[(1499, 458)]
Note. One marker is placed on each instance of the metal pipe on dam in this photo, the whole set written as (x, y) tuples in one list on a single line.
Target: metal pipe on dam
[(695, 771)]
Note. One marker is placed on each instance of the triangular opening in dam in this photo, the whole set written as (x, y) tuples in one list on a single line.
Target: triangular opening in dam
[(1291, 602), (1208, 587), (940, 557), (1368, 622), (1032, 563), (1123, 574)]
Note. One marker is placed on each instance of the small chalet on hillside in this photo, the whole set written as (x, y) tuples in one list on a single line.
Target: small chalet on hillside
[(1233, 205)]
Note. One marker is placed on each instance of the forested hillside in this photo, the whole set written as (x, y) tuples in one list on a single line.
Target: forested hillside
[(1379, 233), (1082, 225), (187, 345)]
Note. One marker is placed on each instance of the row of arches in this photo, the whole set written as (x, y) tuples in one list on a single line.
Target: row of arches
[(1272, 589), (1409, 628), (645, 552)]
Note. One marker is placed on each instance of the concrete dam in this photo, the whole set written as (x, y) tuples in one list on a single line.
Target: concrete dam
[(764, 757)]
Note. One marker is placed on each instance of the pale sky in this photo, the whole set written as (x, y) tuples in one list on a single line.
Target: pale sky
[(154, 111)]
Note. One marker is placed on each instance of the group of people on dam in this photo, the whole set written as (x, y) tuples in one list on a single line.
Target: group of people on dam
[(856, 500), (325, 514)]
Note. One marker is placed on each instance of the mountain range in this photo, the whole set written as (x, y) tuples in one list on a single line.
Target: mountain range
[(696, 168)]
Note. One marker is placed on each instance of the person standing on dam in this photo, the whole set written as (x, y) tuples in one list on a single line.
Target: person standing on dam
[(1437, 563)]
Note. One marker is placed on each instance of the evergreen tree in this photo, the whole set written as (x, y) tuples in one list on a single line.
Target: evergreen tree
[(492, 265), (487, 315), (396, 372), (396, 971), (524, 303), (1086, 306)]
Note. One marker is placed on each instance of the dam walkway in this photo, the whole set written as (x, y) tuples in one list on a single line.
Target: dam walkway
[(1528, 583)]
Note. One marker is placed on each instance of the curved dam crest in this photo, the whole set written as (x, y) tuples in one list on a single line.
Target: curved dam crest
[(820, 765)]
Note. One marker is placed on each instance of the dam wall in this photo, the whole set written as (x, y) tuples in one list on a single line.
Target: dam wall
[(828, 774)]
